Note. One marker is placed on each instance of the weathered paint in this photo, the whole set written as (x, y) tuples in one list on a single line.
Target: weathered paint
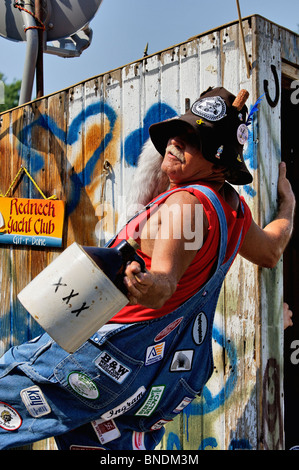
[(83, 143)]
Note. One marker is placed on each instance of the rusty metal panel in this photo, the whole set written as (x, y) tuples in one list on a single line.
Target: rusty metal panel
[(83, 144)]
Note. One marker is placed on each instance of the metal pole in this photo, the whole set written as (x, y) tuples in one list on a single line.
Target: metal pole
[(30, 59), (40, 60)]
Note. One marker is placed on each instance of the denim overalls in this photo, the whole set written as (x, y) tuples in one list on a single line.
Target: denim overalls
[(121, 387)]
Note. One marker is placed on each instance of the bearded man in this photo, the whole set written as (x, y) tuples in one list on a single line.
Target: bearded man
[(138, 372)]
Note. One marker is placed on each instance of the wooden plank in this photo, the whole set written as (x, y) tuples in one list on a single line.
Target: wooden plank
[(189, 74), (290, 71), (111, 186), (38, 168), (57, 125), (270, 281), (75, 192), (231, 330), (54, 182), (134, 126), (170, 80), (93, 143), (21, 265), (5, 251), (240, 313), (56, 160), (289, 45), (210, 64)]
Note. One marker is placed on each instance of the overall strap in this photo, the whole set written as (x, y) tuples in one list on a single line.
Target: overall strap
[(223, 228), (228, 263), (214, 201), (210, 194), (221, 217)]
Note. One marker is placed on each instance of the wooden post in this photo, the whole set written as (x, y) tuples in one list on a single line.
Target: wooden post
[(243, 40)]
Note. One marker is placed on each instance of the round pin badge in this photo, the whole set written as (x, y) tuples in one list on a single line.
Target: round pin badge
[(10, 420), (211, 108), (242, 134), (83, 385)]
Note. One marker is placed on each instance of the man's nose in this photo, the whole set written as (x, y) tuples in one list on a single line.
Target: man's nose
[(176, 140)]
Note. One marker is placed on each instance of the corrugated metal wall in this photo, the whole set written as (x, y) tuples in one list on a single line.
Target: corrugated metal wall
[(83, 143)]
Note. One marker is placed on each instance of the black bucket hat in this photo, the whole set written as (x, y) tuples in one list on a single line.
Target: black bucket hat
[(218, 119)]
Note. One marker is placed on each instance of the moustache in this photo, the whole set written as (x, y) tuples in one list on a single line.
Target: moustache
[(176, 152)]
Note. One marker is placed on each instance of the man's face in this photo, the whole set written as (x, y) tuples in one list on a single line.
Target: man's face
[(183, 160)]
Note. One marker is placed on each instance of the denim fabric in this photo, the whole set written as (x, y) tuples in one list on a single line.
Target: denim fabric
[(127, 382)]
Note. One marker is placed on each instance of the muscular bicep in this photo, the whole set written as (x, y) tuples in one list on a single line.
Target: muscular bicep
[(170, 258), (182, 229)]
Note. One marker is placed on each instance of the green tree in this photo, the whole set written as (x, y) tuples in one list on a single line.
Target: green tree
[(9, 93)]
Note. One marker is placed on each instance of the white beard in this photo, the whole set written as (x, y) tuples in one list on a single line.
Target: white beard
[(149, 180)]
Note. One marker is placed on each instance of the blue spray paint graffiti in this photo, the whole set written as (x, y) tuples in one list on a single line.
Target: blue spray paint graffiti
[(173, 441), (250, 153), (239, 444), (210, 403), (74, 134), (83, 178), (134, 142), (132, 146)]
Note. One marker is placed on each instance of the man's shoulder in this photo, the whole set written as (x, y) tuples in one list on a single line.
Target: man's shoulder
[(194, 195), (182, 196)]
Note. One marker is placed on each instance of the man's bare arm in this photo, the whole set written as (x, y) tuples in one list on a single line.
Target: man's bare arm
[(265, 247), (170, 258)]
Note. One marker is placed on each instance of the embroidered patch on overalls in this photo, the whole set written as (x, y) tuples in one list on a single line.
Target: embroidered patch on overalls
[(154, 353), (182, 361), (111, 367), (106, 431), (10, 420), (168, 329), (126, 405), (152, 401), (83, 385), (159, 424), (200, 327), (138, 440), (35, 401), (185, 402)]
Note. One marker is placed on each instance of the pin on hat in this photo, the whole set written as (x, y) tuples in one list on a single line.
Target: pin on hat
[(218, 121)]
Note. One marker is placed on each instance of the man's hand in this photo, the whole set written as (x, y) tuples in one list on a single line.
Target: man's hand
[(284, 188), (287, 316), (138, 283), (264, 246)]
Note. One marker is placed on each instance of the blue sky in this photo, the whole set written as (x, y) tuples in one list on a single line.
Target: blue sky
[(121, 29)]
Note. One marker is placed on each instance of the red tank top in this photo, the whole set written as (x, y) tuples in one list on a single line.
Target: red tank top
[(199, 271)]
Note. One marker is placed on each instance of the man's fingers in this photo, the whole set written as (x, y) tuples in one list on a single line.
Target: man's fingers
[(133, 268), (282, 170)]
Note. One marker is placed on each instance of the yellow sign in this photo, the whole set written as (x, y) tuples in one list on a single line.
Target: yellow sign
[(32, 222)]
